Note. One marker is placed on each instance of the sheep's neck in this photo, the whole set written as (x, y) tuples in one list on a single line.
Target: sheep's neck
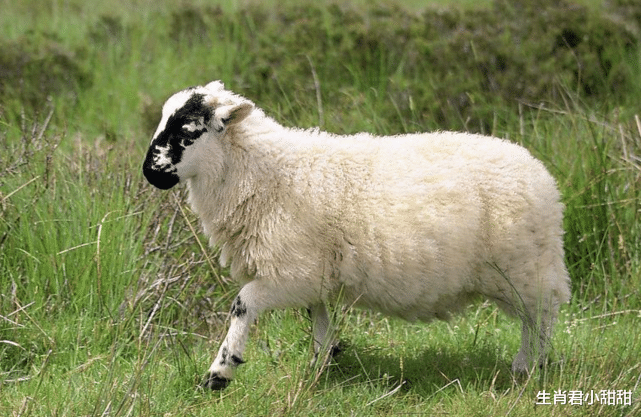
[(255, 182)]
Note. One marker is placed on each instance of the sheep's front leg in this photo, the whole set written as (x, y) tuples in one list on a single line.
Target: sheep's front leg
[(535, 341), (254, 298), (324, 335), (243, 313)]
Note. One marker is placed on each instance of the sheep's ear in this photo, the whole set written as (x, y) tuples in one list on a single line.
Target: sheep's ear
[(215, 85), (230, 115)]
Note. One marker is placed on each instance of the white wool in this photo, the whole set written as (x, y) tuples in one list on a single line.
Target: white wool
[(407, 224), (410, 225)]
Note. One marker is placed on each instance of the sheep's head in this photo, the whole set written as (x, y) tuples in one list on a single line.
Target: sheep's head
[(189, 118)]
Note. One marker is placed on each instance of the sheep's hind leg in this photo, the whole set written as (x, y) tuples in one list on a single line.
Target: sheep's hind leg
[(325, 345)]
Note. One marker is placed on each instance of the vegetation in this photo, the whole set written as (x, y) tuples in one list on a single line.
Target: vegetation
[(111, 304)]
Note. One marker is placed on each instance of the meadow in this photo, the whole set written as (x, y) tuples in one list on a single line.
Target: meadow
[(111, 303)]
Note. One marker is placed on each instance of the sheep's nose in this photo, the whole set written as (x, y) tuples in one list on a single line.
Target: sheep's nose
[(157, 177), (162, 180)]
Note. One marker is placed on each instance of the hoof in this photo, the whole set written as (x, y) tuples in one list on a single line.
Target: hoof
[(335, 351), (215, 382)]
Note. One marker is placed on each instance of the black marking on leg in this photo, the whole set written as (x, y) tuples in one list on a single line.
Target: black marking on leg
[(223, 355), (238, 309), (215, 382), (236, 360)]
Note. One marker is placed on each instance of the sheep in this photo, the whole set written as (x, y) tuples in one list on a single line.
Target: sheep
[(414, 226)]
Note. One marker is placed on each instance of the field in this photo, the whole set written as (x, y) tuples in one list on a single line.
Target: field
[(111, 303)]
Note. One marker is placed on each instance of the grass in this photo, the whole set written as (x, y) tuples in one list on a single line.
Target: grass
[(111, 306)]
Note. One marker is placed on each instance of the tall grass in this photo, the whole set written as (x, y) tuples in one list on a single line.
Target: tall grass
[(110, 302), (599, 177)]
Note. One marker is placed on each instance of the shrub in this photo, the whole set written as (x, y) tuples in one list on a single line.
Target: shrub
[(38, 66)]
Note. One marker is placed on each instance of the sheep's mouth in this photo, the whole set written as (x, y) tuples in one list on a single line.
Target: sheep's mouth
[(160, 177), (162, 180)]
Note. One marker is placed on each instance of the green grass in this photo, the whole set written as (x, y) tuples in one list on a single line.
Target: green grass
[(110, 306)]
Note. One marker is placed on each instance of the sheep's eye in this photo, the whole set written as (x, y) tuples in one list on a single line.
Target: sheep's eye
[(193, 130), (191, 127)]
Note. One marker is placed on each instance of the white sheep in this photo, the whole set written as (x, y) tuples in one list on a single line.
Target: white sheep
[(413, 226)]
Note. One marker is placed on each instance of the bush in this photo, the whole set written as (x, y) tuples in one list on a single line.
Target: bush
[(457, 67), (444, 68), (36, 67)]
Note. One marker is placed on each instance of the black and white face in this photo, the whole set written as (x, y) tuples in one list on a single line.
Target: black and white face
[(185, 118), (189, 118)]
